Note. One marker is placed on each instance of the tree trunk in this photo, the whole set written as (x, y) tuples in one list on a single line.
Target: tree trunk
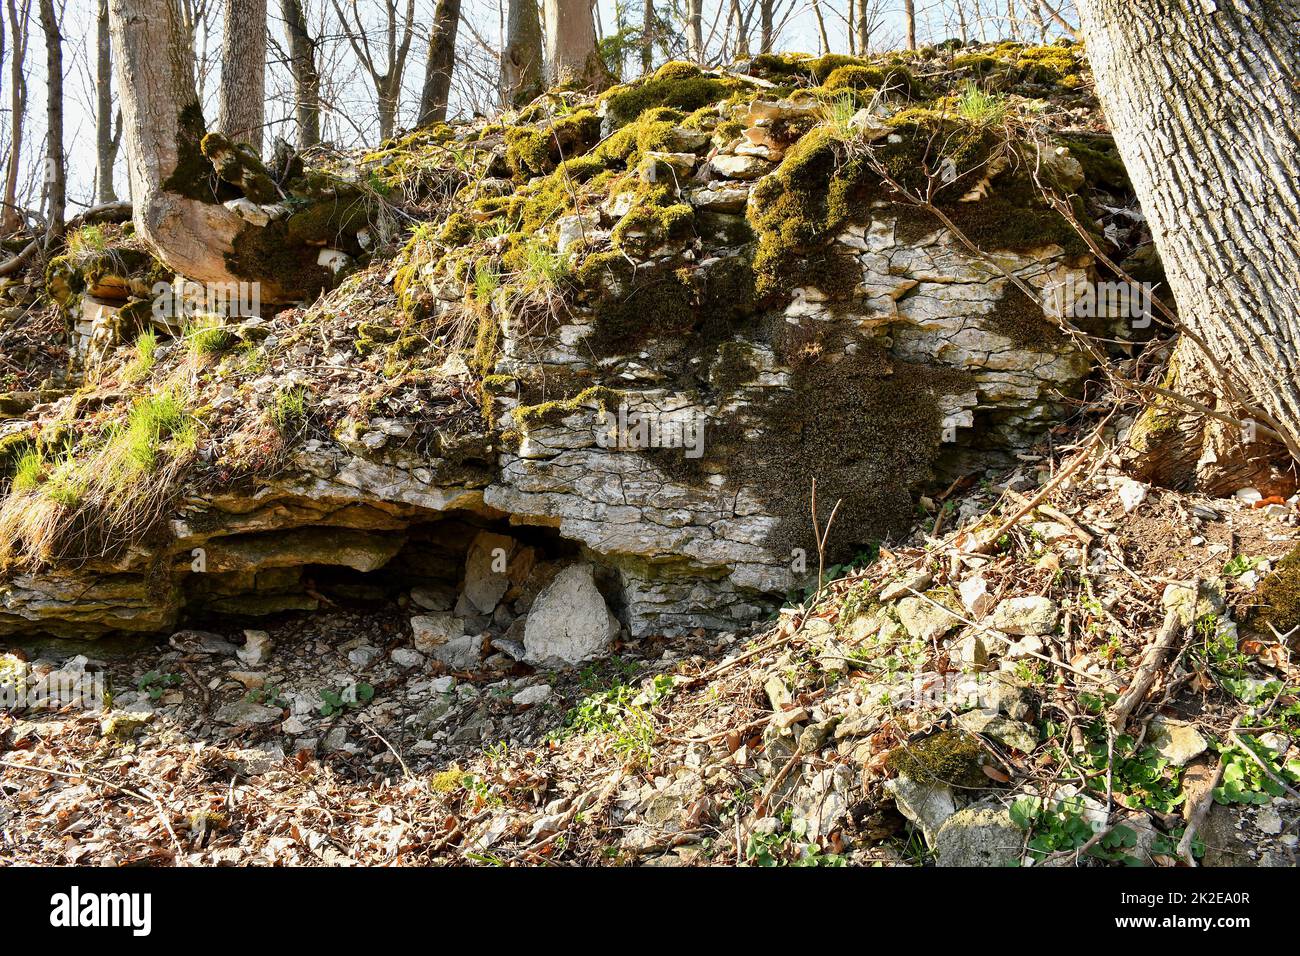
[(241, 113), (105, 141), (1204, 103), (863, 28), (177, 212), (521, 60), (909, 22), (765, 25), (306, 79), (571, 58), (440, 62), (1036, 18), (823, 41), (55, 171), (647, 36), (387, 102), (741, 49), (695, 31), (11, 221)]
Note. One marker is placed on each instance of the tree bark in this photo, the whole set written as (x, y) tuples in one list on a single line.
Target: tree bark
[(863, 27), (909, 22), (11, 220), (695, 31), (306, 78), (177, 213), (241, 113), (521, 60), (571, 58), (440, 62), (647, 36), (766, 25), (105, 140), (55, 170), (1204, 102)]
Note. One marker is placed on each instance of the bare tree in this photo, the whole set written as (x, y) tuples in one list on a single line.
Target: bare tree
[(55, 167), (571, 57), (1203, 103), (108, 135), (242, 110), (440, 62), (521, 60), (20, 32), (694, 31), (386, 73), (303, 69), (647, 35)]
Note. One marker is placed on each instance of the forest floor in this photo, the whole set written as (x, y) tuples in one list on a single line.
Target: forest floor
[(832, 735)]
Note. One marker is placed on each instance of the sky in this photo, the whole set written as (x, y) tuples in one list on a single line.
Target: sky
[(350, 118)]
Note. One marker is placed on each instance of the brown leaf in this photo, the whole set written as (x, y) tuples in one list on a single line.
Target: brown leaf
[(993, 773)]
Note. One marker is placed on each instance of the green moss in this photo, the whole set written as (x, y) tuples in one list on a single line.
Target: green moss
[(329, 222), (895, 79), (798, 209), (950, 756), (548, 413), (239, 165), (626, 103), (1099, 157), (690, 306), (980, 64), (649, 225), (535, 150), (487, 344), (677, 70), (265, 253), (1048, 64), (1023, 321), (822, 67), (852, 78), (374, 335), (735, 366), (1280, 594), (194, 176)]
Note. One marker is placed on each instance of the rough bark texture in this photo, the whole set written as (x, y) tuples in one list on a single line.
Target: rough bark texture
[(55, 173), (241, 113), (440, 62), (1204, 101), (695, 31), (521, 60), (647, 35), (571, 58), (909, 22), (10, 220), (306, 78), (106, 139)]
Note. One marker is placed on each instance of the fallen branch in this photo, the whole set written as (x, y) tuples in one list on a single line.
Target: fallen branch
[(1152, 661)]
